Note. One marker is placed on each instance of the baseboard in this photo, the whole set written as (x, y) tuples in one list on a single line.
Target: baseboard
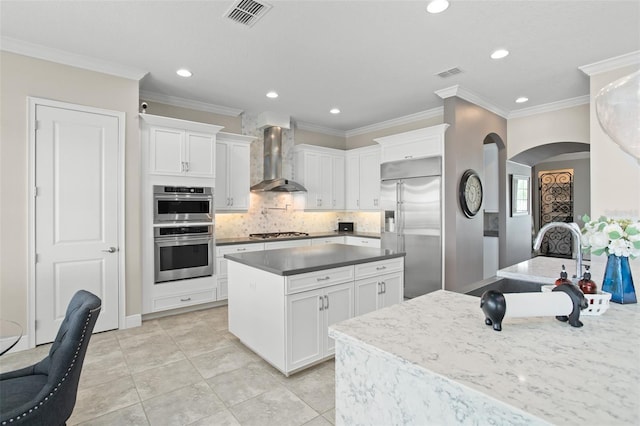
[(133, 321), (22, 345)]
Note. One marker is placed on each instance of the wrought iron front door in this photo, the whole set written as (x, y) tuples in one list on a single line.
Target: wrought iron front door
[(556, 205)]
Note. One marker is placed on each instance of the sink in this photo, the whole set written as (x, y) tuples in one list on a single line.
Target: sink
[(506, 285)]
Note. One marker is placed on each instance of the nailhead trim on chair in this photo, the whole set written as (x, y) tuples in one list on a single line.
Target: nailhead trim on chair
[(65, 375)]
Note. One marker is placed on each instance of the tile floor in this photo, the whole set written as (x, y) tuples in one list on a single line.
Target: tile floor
[(189, 370)]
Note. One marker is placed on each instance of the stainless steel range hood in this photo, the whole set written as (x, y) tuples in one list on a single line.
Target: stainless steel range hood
[(273, 180)]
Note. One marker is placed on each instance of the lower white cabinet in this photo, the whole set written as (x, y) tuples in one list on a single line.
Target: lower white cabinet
[(285, 319), (378, 292), (309, 315), (327, 240), (287, 244), (221, 264), (362, 241)]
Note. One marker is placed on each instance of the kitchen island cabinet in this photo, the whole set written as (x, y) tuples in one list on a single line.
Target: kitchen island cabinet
[(281, 302)]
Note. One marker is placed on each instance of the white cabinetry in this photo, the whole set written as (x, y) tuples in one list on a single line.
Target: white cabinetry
[(327, 240), (221, 263), (309, 316), (378, 285), (427, 142), (176, 153), (321, 171), (287, 243), (232, 172), (179, 147), (363, 178), (362, 241), (285, 319)]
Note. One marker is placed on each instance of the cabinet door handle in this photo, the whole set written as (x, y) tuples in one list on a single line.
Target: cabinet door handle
[(384, 287), (326, 298), (321, 303), (381, 268), (323, 279), (186, 166), (231, 200), (185, 299), (379, 287)]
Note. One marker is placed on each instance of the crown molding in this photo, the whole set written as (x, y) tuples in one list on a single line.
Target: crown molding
[(303, 125), (550, 107), (66, 58), (411, 118), (474, 98), (611, 63), (188, 103)]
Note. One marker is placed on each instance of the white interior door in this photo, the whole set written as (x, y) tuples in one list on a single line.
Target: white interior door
[(76, 215)]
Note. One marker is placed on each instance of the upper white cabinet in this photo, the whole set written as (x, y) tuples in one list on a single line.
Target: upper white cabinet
[(232, 171), (363, 178), (425, 142), (322, 172), (180, 147)]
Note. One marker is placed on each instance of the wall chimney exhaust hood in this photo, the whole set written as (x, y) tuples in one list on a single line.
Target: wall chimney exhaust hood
[(272, 160)]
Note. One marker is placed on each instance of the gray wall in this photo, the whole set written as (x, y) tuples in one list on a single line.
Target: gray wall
[(581, 187), (464, 139)]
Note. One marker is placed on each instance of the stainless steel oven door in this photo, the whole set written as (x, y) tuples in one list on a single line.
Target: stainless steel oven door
[(182, 208), (183, 257)]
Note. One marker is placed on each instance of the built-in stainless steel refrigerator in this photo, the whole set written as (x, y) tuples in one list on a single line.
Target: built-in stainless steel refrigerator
[(411, 220)]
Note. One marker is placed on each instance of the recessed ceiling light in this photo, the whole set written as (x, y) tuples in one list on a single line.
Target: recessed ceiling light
[(272, 94), (334, 111), (183, 72), (499, 54), (437, 6), (522, 99)]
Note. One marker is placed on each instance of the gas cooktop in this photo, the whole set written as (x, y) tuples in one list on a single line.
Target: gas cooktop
[(272, 235)]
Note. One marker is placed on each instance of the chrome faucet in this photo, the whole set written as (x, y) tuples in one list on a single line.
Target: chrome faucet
[(577, 241)]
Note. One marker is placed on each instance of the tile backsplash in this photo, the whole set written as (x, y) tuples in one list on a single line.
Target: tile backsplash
[(275, 212)]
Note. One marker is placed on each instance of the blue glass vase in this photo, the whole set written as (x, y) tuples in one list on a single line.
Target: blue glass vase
[(618, 281)]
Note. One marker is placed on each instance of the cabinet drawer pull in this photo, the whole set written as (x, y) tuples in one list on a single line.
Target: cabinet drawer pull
[(321, 303), (408, 156), (241, 249), (381, 268), (185, 299), (324, 279)]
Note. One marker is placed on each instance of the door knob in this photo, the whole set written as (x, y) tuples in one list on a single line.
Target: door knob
[(110, 250)]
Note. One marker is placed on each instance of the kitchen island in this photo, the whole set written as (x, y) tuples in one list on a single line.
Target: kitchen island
[(432, 360), (281, 302)]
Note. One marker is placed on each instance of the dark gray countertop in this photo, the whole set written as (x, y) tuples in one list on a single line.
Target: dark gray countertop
[(299, 260), (245, 240)]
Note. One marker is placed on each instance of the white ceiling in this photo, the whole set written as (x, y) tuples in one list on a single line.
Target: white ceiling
[(375, 60)]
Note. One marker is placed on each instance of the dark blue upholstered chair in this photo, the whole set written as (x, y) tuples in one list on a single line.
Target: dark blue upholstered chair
[(45, 393)]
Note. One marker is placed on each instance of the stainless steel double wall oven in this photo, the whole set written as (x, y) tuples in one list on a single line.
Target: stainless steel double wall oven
[(183, 232)]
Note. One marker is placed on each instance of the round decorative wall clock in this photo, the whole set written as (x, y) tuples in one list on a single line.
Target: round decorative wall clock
[(470, 193)]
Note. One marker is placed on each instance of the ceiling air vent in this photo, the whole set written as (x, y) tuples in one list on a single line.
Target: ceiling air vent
[(449, 72), (247, 12)]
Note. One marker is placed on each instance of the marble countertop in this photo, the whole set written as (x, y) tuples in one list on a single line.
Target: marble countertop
[(554, 372), (299, 260), (245, 240), (547, 269)]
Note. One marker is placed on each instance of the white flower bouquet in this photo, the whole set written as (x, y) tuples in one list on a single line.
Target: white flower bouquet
[(620, 237)]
